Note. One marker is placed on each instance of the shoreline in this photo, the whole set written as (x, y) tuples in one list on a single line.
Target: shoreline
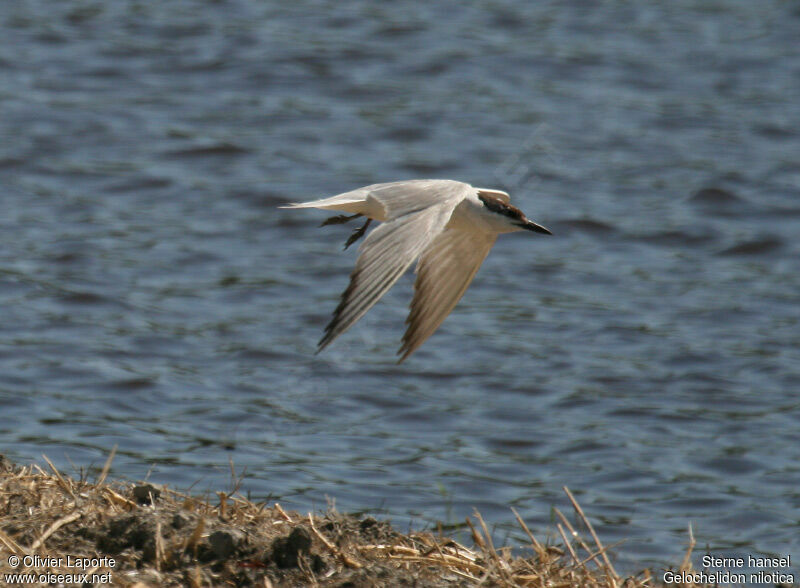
[(76, 532)]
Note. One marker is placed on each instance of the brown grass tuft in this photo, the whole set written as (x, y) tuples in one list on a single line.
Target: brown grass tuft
[(160, 537)]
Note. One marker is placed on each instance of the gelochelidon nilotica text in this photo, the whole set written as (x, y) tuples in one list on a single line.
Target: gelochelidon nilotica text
[(449, 226)]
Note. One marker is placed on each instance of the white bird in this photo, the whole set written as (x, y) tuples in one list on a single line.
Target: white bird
[(450, 226)]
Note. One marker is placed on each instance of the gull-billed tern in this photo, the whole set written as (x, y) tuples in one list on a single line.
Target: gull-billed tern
[(449, 226)]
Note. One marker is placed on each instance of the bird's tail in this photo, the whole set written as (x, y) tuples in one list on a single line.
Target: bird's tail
[(355, 202), (337, 202)]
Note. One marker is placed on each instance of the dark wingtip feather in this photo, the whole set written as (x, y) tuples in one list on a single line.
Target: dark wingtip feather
[(330, 329), (406, 349)]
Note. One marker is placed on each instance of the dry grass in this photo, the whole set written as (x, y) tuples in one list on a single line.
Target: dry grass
[(159, 537)]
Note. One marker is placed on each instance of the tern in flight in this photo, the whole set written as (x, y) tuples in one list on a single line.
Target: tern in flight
[(449, 226)]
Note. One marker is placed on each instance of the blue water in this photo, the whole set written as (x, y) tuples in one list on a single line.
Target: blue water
[(647, 356)]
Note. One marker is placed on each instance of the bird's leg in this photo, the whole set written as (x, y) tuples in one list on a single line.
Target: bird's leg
[(357, 234), (339, 219)]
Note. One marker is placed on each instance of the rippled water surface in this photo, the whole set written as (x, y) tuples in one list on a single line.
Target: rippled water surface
[(647, 355)]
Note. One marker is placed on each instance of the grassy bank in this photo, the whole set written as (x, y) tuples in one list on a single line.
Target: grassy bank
[(133, 535)]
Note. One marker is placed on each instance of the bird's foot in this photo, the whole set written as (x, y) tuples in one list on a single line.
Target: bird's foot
[(339, 219), (357, 234)]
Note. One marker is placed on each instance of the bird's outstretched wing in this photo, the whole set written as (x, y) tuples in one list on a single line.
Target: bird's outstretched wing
[(384, 256), (444, 272), (402, 198)]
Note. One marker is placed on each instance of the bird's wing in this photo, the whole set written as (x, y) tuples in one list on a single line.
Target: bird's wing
[(444, 272), (385, 255), (401, 198)]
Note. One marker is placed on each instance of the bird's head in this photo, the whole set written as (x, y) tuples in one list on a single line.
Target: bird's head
[(498, 203)]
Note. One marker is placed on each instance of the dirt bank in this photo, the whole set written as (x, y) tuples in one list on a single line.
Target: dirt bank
[(53, 525)]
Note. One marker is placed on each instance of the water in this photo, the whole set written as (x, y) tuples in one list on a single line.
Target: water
[(647, 356)]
